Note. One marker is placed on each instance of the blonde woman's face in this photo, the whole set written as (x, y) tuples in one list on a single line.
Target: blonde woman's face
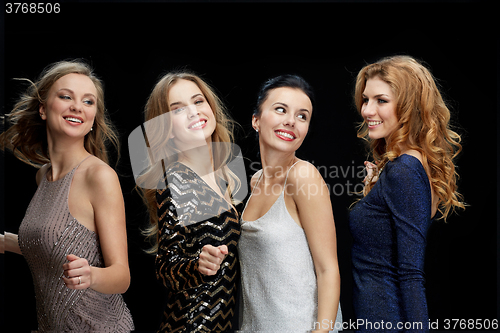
[(379, 109), (193, 121), (71, 106)]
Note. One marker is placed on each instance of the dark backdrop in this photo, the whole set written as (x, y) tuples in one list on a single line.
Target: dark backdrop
[(238, 46)]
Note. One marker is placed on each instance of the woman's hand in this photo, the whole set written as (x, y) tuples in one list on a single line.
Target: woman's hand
[(210, 259), (77, 273), (371, 174)]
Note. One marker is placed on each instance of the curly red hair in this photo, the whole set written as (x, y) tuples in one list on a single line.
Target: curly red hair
[(424, 125)]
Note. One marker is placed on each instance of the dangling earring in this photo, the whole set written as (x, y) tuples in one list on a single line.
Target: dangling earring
[(257, 130)]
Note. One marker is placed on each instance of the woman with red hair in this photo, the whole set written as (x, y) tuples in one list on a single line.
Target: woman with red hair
[(412, 183)]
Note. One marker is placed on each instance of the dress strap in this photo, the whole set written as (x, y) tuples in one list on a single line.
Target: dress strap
[(262, 171), (289, 172), (82, 161), (258, 179)]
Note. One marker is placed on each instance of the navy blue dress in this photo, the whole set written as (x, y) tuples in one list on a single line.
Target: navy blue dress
[(389, 227)]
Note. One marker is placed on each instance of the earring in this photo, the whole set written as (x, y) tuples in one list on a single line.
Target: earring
[(257, 130), (91, 129)]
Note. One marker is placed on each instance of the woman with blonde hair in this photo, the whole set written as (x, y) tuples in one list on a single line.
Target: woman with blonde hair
[(73, 235), (189, 191), (411, 183)]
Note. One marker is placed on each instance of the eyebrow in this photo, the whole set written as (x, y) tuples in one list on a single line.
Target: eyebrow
[(306, 110), (177, 103), (379, 95), (71, 91)]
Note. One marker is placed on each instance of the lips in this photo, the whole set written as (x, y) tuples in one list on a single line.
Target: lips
[(373, 123), (198, 124), (74, 120), (285, 135)]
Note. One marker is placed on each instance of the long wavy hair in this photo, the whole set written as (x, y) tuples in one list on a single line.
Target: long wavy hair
[(159, 141), (424, 125), (27, 135)]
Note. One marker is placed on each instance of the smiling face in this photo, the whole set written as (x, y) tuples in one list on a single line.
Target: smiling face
[(193, 121), (70, 107), (379, 109), (284, 119)]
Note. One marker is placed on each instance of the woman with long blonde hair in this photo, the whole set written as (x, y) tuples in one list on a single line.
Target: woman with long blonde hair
[(411, 183), (188, 189), (73, 235)]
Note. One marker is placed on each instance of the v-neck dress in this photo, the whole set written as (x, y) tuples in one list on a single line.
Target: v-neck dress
[(191, 215)]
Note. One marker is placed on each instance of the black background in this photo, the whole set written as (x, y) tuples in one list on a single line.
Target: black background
[(235, 47)]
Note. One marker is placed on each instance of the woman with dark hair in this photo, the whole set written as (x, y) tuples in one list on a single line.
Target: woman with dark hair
[(412, 181), (73, 235), (288, 248)]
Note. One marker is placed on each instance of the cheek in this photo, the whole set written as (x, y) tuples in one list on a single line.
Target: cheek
[(52, 107), (210, 113), (206, 109), (269, 119), (93, 115), (393, 119), (177, 122), (303, 129)]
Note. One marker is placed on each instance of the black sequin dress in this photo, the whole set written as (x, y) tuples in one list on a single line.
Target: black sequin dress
[(192, 215), (389, 228)]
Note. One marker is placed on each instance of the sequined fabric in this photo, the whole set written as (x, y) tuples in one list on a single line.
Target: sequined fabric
[(48, 233), (278, 279), (192, 215), (389, 227)]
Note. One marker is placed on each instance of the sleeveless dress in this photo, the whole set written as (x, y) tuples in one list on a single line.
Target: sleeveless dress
[(278, 279), (48, 233), (191, 215), (389, 228)]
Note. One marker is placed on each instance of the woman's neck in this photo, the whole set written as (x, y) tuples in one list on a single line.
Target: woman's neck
[(199, 159), (64, 156), (275, 164)]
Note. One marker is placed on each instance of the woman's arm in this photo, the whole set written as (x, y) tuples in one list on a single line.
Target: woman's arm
[(407, 193), (9, 243), (109, 215), (177, 269), (312, 200)]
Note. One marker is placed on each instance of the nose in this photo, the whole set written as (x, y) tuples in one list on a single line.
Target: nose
[(76, 106), (368, 110), (289, 120), (192, 111)]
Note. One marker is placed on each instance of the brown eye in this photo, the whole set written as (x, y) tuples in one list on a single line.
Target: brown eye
[(302, 116)]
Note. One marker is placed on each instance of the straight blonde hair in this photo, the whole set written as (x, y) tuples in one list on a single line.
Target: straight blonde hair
[(159, 140)]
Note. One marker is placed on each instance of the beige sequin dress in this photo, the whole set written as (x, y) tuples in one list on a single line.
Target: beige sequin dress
[(48, 233)]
